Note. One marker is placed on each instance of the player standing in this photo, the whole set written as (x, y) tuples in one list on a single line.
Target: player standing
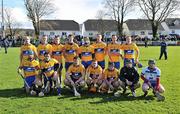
[(100, 51), (70, 51)]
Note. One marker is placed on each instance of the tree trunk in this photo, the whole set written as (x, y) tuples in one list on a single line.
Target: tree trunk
[(36, 30), (154, 29)]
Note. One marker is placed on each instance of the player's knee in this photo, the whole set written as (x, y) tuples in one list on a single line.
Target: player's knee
[(145, 87), (82, 83), (116, 84), (122, 84), (38, 82), (66, 82), (161, 89), (88, 82)]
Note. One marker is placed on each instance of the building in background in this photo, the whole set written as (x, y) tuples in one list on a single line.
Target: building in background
[(92, 27), (140, 28), (62, 28)]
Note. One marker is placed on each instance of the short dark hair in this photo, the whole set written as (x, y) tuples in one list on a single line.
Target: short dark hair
[(111, 64)]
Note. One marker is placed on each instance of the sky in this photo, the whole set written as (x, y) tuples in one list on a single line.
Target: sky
[(78, 10)]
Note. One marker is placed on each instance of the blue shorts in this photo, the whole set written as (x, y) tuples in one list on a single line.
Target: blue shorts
[(153, 84), (67, 65), (102, 64), (30, 80), (133, 62), (86, 63), (116, 65)]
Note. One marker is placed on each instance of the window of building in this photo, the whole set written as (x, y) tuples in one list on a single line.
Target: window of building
[(150, 33), (42, 33), (64, 33), (142, 33), (52, 33), (90, 34)]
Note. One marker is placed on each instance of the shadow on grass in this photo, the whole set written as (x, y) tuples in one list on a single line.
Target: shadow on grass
[(111, 98), (17, 93), (123, 98), (12, 93)]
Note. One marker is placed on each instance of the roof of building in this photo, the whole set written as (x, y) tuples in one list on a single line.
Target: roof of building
[(70, 25), (140, 24), (171, 23), (99, 24)]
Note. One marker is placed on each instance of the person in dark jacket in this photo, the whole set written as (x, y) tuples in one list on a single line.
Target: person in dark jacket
[(5, 44), (163, 45), (129, 77)]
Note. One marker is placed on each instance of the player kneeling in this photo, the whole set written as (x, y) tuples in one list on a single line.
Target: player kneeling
[(151, 77), (111, 81), (75, 76), (129, 77), (94, 76), (30, 74), (49, 69)]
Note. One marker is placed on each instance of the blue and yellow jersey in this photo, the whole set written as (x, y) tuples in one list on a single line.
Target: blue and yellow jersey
[(57, 52), (27, 50), (48, 67), (108, 74), (86, 52), (129, 51), (114, 51), (100, 51), (70, 51), (42, 49), (76, 71), (94, 71), (30, 68)]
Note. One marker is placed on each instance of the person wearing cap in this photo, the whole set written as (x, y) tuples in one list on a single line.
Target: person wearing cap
[(163, 50), (86, 53), (27, 49), (75, 76), (94, 76), (57, 53), (100, 51), (131, 51), (151, 77), (49, 68), (70, 51), (114, 52), (43, 47), (111, 81), (129, 77)]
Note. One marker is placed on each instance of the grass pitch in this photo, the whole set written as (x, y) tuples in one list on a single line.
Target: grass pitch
[(13, 100)]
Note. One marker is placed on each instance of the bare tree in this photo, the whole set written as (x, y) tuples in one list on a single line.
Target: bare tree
[(36, 9), (11, 22), (118, 10), (100, 23), (157, 11)]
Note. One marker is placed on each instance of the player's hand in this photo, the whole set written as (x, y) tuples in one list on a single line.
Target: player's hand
[(137, 61), (19, 70), (129, 83)]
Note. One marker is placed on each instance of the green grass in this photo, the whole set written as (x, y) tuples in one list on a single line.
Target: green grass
[(13, 100)]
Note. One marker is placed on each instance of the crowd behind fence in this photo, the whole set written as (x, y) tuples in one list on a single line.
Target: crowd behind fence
[(18, 41)]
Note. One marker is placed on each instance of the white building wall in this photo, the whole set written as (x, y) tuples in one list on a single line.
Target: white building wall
[(57, 32)]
